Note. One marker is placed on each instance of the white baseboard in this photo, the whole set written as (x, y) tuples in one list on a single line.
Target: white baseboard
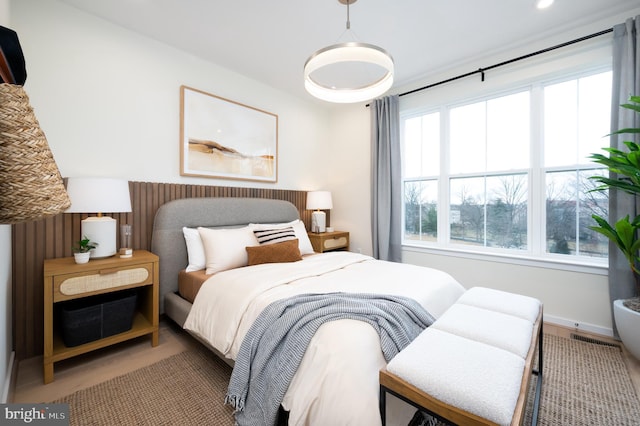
[(7, 379), (578, 326)]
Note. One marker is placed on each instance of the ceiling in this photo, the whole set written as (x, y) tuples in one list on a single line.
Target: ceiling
[(270, 40)]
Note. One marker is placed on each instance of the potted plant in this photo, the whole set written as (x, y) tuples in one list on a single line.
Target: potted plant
[(82, 249), (624, 232)]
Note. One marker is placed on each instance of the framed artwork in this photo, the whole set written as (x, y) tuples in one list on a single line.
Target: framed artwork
[(220, 138)]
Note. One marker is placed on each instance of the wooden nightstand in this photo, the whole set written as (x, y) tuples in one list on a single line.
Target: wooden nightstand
[(329, 241), (64, 280)]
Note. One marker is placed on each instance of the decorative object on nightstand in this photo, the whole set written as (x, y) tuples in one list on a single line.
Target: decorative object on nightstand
[(329, 241), (126, 244), (319, 200), (82, 250), (100, 293), (99, 195)]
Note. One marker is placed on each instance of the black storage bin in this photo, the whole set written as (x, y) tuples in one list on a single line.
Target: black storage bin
[(95, 317)]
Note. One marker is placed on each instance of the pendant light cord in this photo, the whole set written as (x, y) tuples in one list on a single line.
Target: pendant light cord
[(348, 20)]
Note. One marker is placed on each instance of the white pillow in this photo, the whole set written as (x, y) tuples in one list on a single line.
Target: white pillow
[(195, 249), (304, 244), (226, 248)]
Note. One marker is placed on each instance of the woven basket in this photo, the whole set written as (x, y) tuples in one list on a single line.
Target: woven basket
[(30, 183)]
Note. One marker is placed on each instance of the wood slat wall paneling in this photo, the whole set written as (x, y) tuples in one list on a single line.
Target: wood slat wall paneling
[(53, 237)]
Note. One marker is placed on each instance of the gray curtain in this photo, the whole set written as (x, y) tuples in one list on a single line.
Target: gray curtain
[(626, 82), (386, 207)]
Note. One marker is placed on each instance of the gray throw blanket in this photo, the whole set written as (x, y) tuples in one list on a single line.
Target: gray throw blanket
[(275, 344)]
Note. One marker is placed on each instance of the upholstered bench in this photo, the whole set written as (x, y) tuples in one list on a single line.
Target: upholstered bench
[(473, 365)]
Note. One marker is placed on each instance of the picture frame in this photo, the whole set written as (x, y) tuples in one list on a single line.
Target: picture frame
[(221, 138)]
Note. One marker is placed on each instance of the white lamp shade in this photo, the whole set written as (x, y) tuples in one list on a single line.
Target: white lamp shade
[(319, 200), (99, 195)]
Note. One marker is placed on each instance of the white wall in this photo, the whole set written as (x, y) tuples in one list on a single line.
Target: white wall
[(350, 174), (6, 333), (6, 346), (108, 100)]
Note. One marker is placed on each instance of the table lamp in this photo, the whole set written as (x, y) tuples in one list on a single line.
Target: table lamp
[(319, 200), (99, 195)]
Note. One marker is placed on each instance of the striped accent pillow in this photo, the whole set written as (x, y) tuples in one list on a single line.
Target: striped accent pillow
[(272, 236)]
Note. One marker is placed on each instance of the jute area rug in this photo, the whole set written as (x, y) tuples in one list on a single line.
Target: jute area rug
[(185, 389), (584, 384)]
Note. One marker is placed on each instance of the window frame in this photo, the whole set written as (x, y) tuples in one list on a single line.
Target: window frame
[(535, 254)]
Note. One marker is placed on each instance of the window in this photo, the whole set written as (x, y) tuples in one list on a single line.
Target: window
[(576, 117), (422, 156), (509, 173)]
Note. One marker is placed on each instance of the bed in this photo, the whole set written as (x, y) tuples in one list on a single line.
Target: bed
[(337, 379)]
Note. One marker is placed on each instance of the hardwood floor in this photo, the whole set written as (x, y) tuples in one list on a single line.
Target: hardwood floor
[(87, 370)]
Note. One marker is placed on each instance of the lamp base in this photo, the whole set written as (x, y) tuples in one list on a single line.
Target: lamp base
[(318, 221), (100, 230)]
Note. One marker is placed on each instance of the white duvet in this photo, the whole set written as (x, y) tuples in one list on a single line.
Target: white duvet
[(337, 381)]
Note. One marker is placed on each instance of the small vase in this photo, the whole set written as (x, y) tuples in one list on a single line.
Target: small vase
[(82, 257)]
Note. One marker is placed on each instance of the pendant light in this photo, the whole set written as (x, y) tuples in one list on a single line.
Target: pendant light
[(348, 72)]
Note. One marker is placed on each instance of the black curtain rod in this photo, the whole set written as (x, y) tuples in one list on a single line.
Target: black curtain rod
[(482, 70)]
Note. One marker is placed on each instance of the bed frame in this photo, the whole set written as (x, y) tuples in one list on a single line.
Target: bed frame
[(167, 240)]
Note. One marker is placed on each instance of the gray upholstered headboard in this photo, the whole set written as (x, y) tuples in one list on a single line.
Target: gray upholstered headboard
[(167, 240)]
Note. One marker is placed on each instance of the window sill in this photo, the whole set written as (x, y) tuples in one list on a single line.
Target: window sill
[(514, 259)]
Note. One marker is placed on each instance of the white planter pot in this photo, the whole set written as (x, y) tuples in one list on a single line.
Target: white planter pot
[(82, 257), (628, 324)]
